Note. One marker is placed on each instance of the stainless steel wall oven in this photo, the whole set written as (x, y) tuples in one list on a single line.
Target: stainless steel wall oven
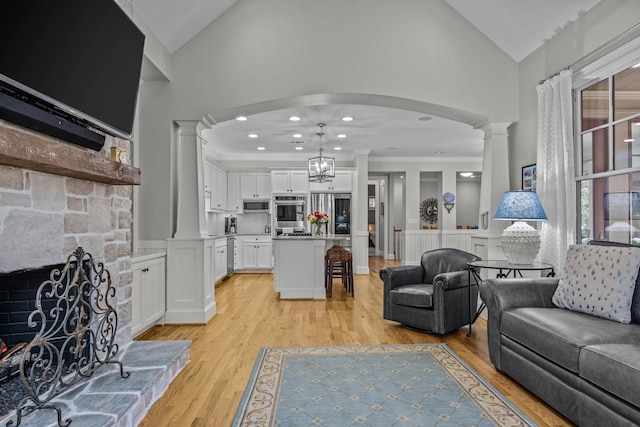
[(290, 212)]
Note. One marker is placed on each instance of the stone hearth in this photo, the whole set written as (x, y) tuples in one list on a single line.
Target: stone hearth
[(107, 400)]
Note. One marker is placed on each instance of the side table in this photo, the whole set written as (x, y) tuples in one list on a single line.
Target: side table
[(504, 270)]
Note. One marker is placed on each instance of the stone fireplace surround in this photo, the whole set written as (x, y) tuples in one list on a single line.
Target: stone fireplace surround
[(45, 216)]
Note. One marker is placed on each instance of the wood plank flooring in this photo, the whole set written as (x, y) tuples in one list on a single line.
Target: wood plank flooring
[(250, 315)]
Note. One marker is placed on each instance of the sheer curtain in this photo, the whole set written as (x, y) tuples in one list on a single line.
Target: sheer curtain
[(556, 184)]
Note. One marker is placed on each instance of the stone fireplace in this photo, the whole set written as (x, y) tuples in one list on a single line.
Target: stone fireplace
[(55, 197), (45, 216)]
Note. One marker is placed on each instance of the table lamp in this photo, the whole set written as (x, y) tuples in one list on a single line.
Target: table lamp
[(520, 241)]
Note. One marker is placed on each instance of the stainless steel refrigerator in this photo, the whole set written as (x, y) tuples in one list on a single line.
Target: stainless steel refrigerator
[(338, 206)]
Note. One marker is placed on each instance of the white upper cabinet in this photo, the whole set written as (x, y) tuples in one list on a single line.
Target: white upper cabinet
[(342, 183), (218, 189), (234, 201), (207, 177), (255, 186), (289, 182)]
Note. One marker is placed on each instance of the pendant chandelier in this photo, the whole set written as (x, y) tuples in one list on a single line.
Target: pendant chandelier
[(321, 168)]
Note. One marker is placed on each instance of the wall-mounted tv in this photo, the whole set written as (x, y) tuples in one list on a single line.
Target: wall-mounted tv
[(79, 60)]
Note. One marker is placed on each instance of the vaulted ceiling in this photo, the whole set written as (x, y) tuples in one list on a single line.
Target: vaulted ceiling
[(518, 27)]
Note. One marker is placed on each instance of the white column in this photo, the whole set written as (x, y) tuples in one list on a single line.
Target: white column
[(190, 253), (191, 220), (360, 204), (495, 181)]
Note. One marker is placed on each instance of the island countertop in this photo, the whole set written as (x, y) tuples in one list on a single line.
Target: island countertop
[(313, 237)]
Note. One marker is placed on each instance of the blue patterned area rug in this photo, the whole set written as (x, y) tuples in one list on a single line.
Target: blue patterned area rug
[(378, 385)]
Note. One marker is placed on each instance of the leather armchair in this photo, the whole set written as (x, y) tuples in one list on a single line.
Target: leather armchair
[(433, 296)]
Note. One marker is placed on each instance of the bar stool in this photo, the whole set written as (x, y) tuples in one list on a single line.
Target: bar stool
[(338, 263)]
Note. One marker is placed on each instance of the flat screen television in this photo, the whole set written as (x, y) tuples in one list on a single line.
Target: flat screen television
[(78, 60)]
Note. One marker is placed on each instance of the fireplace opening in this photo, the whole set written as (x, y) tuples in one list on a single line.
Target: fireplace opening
[(73, 320), (18, 300)]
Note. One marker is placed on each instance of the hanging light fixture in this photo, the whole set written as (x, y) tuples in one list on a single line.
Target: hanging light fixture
[(321, 168)]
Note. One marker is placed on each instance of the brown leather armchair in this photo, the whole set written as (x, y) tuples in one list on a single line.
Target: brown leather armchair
[(433, 296)]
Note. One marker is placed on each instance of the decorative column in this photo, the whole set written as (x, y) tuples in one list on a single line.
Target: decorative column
[(495, 181), (360, 204), (190, 253), (191, 221)]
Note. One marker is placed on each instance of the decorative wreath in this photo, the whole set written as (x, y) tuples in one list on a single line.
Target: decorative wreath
[(429, 210)]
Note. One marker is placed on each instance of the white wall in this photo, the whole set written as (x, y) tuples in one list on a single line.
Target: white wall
[(396, 200), (604, 22), (412, 186), (264, 50), (431, 186), (467, 203)]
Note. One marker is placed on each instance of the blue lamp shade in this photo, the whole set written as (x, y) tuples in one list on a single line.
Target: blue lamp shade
[(520, 206)]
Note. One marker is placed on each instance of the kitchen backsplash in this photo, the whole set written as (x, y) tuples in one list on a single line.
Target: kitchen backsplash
[(247, 223), (252, 223)]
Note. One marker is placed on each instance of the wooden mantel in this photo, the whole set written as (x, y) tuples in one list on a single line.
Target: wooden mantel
[(26, 149)]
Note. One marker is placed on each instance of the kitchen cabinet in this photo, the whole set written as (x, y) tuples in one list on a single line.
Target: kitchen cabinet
[(256, 252), (288, 182), (255, 186), (207, 186), (147, 292), (220, 259), (234, 201), (237, 253), (218, 189), (207, 177), (341, 183)]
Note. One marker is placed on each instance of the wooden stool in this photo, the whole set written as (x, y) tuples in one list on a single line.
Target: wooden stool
[(338, 263)]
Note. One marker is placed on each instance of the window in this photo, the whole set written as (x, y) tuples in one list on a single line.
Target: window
[(609, 150)]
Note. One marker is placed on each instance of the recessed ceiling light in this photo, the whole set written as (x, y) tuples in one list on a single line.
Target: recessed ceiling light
[(241, 118), (401, 176), (261, 148), (297, 135), (294, 118), (299, 148), (342, 135), (347, 118), (253, 135), (466, 174), (337, 148)]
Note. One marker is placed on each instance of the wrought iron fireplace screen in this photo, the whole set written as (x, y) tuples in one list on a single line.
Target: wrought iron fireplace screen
[(75, 333)]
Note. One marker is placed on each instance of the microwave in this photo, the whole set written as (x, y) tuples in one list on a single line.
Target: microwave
[(256, 206)]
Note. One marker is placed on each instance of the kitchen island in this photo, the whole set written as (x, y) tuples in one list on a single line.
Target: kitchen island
[(299, 265)]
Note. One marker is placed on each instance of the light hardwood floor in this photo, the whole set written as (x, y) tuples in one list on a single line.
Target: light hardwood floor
[(250, 315)]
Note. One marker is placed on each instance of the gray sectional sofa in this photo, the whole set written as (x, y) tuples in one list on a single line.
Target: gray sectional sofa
[(586, 367)]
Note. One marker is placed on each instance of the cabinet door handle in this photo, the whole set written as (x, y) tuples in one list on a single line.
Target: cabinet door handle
[(144, 270)]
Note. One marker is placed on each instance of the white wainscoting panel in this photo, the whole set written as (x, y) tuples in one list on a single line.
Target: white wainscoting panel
[(458, 239), (360, 250), (190, 286), (413, 243), (416, 242)]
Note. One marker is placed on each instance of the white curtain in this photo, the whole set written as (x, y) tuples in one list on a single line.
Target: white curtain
[(556, 185)]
